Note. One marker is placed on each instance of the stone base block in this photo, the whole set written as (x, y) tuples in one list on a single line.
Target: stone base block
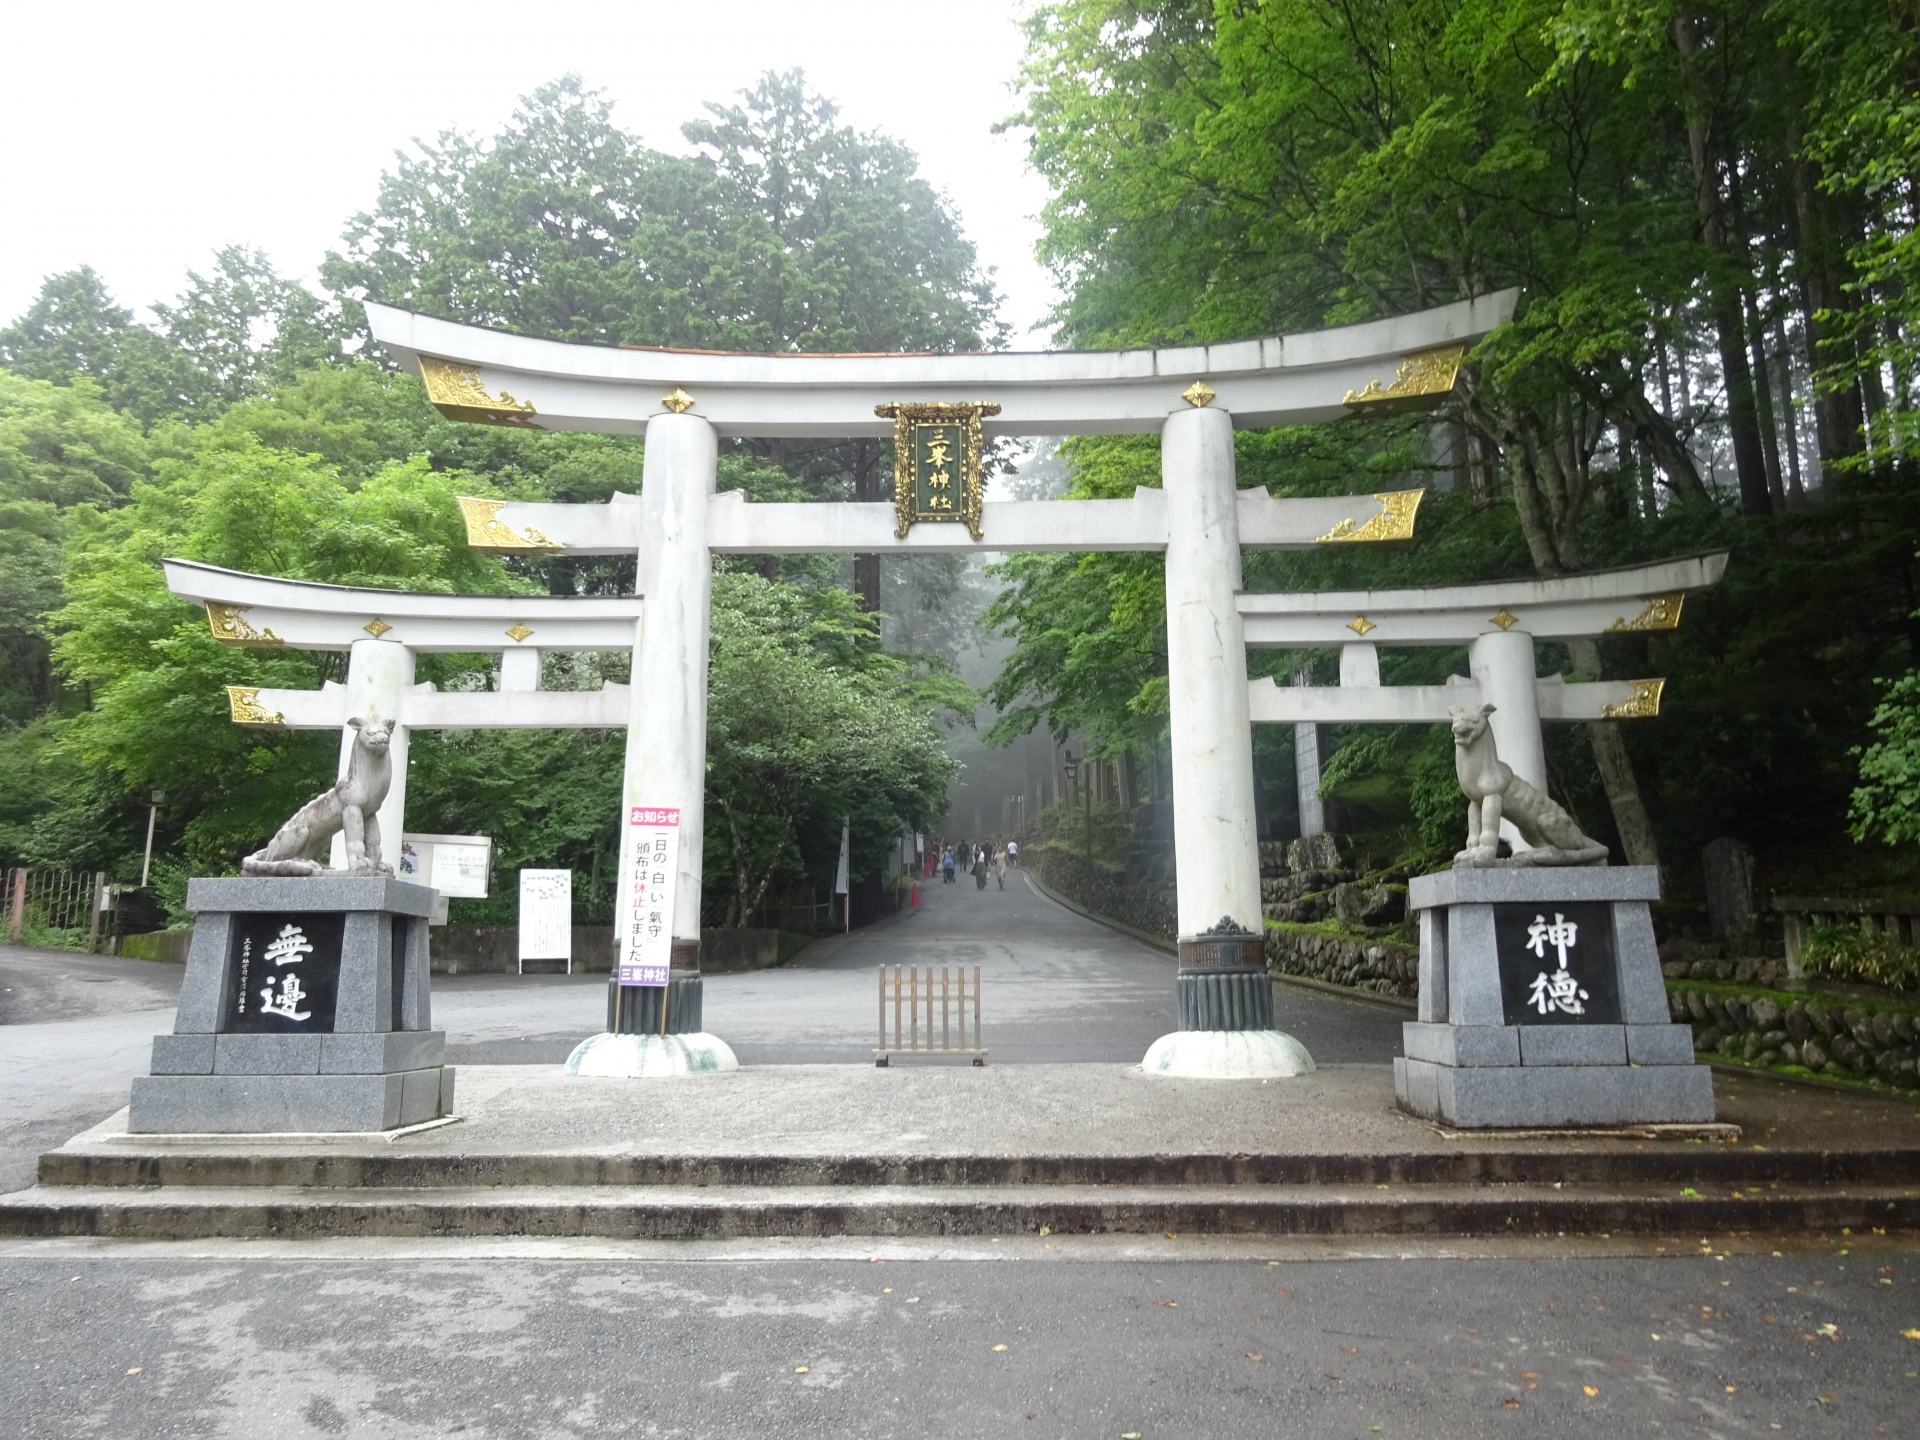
[(1660, 1044), (1461, 1044), (1573, 1044), (267, 1104), (1523, 1097), (1228, 1055), (649, 1057), (380, 1053)]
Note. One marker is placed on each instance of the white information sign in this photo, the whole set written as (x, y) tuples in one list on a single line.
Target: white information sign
[(460, 870), (546, 916), (646, 918), (455, 865)]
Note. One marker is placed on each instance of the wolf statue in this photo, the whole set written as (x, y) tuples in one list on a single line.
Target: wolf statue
[(1495, 793), (351, 806)]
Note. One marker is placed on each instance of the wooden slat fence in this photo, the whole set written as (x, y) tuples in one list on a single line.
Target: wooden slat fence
[(66, 901), (911, 994)]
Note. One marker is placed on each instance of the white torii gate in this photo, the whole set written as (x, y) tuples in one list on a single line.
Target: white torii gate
[(1193, 397), (382, 631), (1498, 622)]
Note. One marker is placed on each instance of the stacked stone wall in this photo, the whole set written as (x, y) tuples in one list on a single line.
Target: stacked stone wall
[(1381, 966), (1836, 1037), (1147, 907), (1767, 974)]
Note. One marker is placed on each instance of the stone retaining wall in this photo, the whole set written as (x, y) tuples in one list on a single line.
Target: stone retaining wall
[(1151, 908), (494, 950), (167, 946), (1841, 1038), (1377, 965), (1768, 974)]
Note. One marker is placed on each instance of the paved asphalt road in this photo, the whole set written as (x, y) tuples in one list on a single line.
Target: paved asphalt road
[(1047, 1346), (1057, 987)]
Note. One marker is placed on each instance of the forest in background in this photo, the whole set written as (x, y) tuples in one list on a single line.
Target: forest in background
[(249, 426), (1708, 210)]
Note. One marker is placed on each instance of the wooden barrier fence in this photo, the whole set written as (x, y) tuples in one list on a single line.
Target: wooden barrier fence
[(907, 999), (1898, 918)]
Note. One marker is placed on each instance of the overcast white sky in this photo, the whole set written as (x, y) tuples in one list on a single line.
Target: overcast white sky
[(143, 136)]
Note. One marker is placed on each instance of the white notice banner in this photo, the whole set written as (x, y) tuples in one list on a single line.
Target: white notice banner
[(460, 870), (646, 919), (546, 914)]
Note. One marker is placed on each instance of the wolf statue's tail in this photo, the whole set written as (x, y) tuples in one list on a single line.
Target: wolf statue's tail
[(1556, 838), (258, 864)]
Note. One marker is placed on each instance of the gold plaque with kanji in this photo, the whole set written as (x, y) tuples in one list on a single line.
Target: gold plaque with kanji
[(936, 464)]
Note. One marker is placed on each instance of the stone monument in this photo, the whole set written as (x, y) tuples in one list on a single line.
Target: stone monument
[(306, 1004), (1541, 998)]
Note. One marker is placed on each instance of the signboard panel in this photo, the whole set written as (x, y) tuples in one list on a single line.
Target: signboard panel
[(937, 449), (455, 865), (546, 915), (285, 973), (460, 871), (1557, 963), (646, 895)]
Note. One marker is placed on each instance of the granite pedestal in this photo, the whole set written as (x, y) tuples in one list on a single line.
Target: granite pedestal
[(305, 1007), (1542, 1004)]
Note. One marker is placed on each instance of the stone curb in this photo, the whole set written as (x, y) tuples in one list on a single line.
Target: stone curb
[(1480, 1160), (294, 1214), (1404, 1004)]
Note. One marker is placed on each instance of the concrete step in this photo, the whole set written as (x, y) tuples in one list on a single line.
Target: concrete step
[(670, 1212), (1486, 1161)]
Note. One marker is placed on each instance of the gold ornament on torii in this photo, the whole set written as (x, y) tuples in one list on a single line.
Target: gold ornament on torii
[(458, 393)]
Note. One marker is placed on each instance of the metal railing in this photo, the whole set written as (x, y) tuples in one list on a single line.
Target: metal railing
[(905, 990), (55, 907)]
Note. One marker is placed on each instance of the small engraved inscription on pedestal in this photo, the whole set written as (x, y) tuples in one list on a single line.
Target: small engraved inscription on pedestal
[(1557, 963), (284, 973)]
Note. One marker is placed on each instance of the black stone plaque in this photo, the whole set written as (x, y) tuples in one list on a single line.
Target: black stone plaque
[(285, 973), (1536, 988)]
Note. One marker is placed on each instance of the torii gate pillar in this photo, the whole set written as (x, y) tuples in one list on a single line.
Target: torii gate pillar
[(667, 751), (1225, 996), (1503, 664), (1217, 865)]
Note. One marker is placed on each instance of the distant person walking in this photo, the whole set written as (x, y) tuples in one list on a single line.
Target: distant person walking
[(980, 868), (1000, 865), (946, 866), (1013, 852)]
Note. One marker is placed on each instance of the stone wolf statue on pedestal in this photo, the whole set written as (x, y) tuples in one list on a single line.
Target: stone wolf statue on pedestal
[(352, 806), (1494, 793)]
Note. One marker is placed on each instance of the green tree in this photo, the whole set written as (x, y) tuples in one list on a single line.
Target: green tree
[(809, 720), (74, 327), (150, 664), (1688, 267), (244, 327), (60, 447), (784, 231)]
